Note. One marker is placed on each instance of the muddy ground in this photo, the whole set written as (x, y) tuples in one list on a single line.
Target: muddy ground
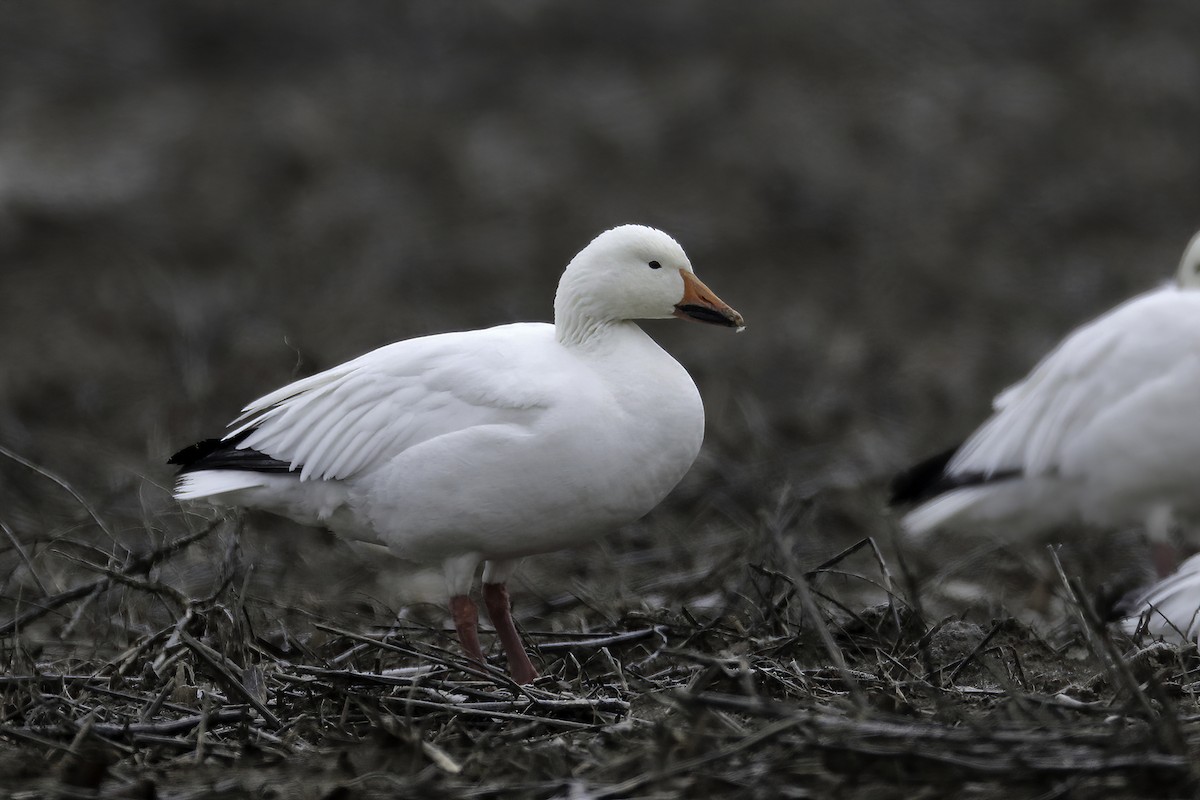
[(908, 202)]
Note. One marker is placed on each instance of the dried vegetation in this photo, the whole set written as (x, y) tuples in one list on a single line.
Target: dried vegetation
[(754, 678)]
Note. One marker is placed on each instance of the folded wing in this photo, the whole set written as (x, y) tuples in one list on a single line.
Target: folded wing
[(353, 417), (1093, 370)]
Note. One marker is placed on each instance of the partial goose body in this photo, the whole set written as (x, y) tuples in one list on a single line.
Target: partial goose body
[(1169, 609), (487, 445), (531, 442), (1102, 431)]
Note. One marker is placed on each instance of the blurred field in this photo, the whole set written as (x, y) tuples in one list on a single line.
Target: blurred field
[(909, 203)]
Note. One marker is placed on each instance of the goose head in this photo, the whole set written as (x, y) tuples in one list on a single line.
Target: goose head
[(634, 272)]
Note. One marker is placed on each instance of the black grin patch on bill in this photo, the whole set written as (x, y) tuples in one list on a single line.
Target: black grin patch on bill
[(705, 314)]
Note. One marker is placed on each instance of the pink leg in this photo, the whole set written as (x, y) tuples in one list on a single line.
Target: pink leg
[(466, 621), (499, 608)]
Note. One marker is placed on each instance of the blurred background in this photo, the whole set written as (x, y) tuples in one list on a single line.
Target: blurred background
[(909, 203)]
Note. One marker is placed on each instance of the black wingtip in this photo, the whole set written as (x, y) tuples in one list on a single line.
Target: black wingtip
[(225, 454), (195, 452), (928, 479), (922, 480)]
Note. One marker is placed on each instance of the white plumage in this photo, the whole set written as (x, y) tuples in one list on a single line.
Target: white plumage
[(1101, 431), (487, 445), (1169, 609)]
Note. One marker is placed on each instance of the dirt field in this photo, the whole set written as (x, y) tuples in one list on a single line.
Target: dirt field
[(909, 203)]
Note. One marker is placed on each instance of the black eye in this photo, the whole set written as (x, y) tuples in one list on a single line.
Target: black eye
[(655, 265)]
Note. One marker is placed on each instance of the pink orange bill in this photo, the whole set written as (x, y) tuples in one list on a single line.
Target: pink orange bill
[(700, 304)]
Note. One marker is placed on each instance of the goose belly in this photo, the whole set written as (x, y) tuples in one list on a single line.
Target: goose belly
[(503, 492)]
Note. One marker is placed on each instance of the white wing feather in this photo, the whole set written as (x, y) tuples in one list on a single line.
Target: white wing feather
[(1171, 607), (350, 418), (1095, 367)]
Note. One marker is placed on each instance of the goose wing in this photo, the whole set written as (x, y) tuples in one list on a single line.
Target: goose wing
[(353, 417)]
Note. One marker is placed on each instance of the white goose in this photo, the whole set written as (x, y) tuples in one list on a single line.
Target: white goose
[(1102, 431), (487, 445), (1169, 609)]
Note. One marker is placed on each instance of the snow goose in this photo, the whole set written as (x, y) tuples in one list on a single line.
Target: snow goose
[(486, 445), (1102, 431), (1169, 609)]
